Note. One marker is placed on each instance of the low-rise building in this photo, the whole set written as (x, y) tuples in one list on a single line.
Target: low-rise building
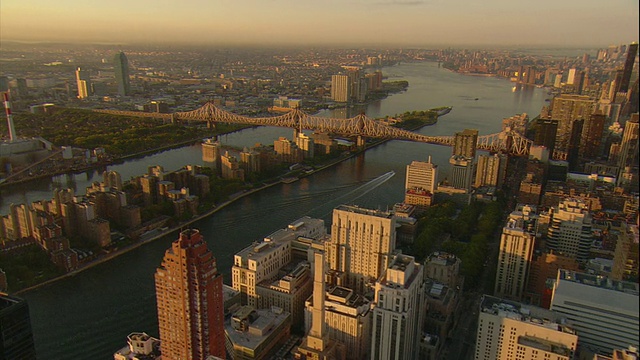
[(256, 334), (140, 346)]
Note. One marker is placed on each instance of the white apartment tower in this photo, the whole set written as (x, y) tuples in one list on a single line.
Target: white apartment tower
[(422, 175), (397, 316), (361, 244), (570, 229), (514, 258), (509, 331)]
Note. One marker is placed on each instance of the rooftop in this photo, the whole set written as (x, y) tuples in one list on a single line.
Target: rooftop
[(262, 324), (358, 210), (305, 226), (599, 281), (442, 258), (340, 292), (531, 314), (401, 273), (544, 345)]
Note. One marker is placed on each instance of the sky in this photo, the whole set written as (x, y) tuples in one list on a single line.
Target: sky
[(556, 23)]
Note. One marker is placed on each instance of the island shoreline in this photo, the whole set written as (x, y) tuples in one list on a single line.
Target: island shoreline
[(235, 197)]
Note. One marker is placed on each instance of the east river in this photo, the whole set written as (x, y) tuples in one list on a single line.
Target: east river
[(89, 315)]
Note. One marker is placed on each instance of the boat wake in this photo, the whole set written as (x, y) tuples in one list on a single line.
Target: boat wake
[(353, 195)]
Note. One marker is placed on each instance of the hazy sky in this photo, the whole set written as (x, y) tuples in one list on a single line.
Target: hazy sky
[(587, 23)]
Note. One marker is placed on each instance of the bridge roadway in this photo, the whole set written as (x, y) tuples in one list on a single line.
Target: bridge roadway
[(361, 125)]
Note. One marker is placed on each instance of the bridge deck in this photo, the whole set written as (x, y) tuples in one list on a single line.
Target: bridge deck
[(360, 125)]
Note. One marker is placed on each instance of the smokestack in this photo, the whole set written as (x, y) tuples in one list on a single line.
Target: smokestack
[(7, 107)]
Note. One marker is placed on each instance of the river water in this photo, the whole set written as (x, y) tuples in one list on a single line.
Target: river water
[(88, 316)]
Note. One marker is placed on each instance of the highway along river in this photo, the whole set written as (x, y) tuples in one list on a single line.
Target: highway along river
[(88, 316)]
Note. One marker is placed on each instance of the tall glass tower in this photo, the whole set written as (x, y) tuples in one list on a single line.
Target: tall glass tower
[(16, 339), (628, 67), (121, 67)]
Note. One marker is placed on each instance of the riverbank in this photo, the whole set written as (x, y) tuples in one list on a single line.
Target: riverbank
[(107, 257), (115, 161), (425, 121), (104, 258)]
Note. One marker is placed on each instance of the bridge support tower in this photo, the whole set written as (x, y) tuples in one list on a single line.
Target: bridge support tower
[(361, 141)]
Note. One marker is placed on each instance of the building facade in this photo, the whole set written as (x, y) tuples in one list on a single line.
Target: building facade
[(16, 337), (83, 81), (461, 172), (397, 315), (491, 170), (121, 68), (514, 259), (567, 108), (340, 88), (422, 175), (190, 300), (509, 331), (464, 143), (604, 312), (361, 244), (261, 262), (347, 319), (570, 229)]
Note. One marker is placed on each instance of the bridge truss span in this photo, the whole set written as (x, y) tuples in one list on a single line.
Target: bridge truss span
[(360, 125)]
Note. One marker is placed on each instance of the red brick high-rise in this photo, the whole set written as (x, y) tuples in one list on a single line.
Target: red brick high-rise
[(190, 301)]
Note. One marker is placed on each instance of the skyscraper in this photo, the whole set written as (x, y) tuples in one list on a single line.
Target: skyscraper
[(84, 83), (361, 244), (592, 135), (571, 77), (340, 88), (422, 175), (465, 143), (397, 316), (570, 229), (461, 172), (16, 339), (629, 144), (121, 68), (573, 147), (567, 108), (491, 170), (420, 183), (628, 67), (190, 300), (514, 259)]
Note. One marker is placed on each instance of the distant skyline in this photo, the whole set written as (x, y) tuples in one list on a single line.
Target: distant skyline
[(388, 23)]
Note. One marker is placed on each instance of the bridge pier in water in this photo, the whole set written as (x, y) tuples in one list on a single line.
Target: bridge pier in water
[(361, 141)]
